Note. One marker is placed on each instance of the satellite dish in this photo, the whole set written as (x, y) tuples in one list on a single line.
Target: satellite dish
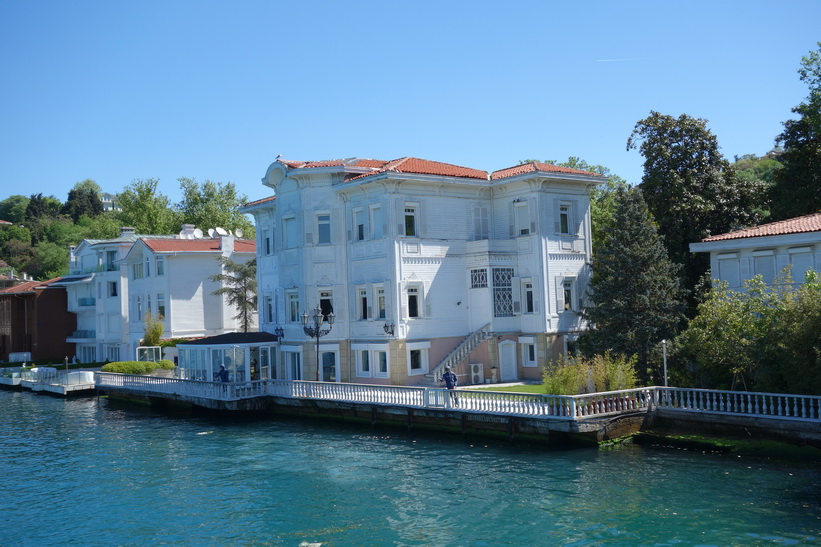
[(211, 232), (182, 234), (197, 233), (238, 231), (221, 231)]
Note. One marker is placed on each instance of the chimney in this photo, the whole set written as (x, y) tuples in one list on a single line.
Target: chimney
[(126, 231), (227, 244)]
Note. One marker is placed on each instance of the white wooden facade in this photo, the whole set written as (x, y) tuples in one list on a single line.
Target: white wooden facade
[(438, 252), (765, 250), (112, 283)]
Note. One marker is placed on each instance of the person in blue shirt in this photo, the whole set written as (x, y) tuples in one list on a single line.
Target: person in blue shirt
[(222, 375), (451, 381)]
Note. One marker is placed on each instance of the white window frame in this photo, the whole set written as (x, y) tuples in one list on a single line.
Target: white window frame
[(360, 229), (292, 300), (364, 310), (323, 228), (161, 308), (521, 211), (292, 363), (417, 290), (160, 266), (268, 308), (410, 211), (423, 349), (375, 218), (568, 291), (373, 352), (327, 295), (290, 232), (137, 271), (266, 241), (528, 344), (528, 297)]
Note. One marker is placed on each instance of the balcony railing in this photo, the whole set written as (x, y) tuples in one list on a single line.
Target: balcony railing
[(84, 334), (86, 301)]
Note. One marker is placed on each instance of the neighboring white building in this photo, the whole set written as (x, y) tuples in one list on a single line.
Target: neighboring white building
[(736, 257), (419, 261), (112, 283)]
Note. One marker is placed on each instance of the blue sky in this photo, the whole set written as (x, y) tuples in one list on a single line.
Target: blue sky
[(116, 91)]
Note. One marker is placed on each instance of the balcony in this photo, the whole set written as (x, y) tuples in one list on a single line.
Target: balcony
[(85, 302), (83, 334)]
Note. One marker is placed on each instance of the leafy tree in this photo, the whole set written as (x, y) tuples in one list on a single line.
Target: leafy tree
[(797, 189), (50, 260), (239, 280), (146, 210), (153, 328), (82, 201), (105, 226), (15, 247), (13, 209), (213, 204), (89, 185), (790, 348), (39, 211), (635, 289), (690, 189)]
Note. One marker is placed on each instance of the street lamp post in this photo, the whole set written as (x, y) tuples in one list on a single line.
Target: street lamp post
[(315, 330), (664, 353)]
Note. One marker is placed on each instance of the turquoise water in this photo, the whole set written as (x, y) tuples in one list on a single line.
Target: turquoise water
[(90, 472)]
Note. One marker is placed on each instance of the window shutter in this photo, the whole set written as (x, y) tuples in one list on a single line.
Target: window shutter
[(512, 210), (577, 216), (370, 313), (516, 292), (556, 216), (309, 238), (532, 214), (559, 296)]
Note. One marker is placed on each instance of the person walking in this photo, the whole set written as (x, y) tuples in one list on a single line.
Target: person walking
[(451, 381)]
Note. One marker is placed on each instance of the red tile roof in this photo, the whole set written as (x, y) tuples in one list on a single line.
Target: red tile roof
[(534, 167), (799, 225), (428, 167), (28, 286), (260, 201), (197, 245)]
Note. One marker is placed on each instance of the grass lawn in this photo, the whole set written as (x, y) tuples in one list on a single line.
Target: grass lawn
[(534, 388)]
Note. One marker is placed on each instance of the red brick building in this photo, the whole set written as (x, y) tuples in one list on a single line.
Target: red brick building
[(34, 318)]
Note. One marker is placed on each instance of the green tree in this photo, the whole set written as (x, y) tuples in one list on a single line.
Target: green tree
[(239, 286), (15, 247), (13, 209), (89, 185), (213, 204), (49, 260), (153, 328), (635, 290), (39, 211), (145, 209), (82, 201), (797, 189), (690, 189)]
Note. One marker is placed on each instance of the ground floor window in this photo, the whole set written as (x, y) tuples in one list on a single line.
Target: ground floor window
[(112, 352), (418, 358), (87, 354), (293, 365), (371, 360)]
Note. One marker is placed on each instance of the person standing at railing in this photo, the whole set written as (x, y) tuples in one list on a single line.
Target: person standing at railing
[(222, 375), (451, 381)]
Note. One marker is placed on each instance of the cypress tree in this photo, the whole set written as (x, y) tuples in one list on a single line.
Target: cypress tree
[(635, 290)]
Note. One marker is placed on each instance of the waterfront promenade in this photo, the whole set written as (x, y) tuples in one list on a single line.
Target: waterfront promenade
[(596, 416)]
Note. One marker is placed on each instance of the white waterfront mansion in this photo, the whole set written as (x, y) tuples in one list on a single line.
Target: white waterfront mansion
[(764, 250), (113, 282), (423, 264)]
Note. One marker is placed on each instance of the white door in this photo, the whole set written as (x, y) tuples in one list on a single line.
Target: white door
[(507, 361)]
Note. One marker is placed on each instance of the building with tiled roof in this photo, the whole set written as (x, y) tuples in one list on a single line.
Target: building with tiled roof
[(424, 264), (765, 250), (113, 283), (35, 322)]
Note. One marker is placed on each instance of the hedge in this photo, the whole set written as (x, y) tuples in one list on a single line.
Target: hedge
[(137, 367)]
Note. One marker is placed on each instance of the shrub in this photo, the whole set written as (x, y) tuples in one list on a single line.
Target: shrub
[(576, 375), (131, 367), (166, 364)]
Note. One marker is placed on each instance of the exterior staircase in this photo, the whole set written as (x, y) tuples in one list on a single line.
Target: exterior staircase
[(458, 355)]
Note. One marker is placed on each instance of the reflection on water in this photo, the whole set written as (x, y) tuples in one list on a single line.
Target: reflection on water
[(86, 471)]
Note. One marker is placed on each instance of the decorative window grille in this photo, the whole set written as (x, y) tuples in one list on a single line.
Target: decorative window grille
[(502, 292), (478, 278)]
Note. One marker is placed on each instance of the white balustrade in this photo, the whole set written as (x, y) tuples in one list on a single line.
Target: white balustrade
[(742, 403)]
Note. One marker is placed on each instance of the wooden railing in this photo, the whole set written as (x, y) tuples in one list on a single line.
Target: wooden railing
[(741, 403)]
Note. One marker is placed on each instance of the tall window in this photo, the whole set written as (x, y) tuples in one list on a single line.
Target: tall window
[(565, 220), (376, 222), (160, 265), (414, 302), (111, 257), (268, 308), (147, 267), (291, 233), (326, 303), (410, 221), (161, 304), (522, 219), (137, 271), (112, 288), (381, 364), (323, 229), (364, 309), (503, 292), (359, 224), (567, 291), (293, 307), (481, 222), (417, 357), (380, 302), (363, 364), (267, 247), (528, 298)]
